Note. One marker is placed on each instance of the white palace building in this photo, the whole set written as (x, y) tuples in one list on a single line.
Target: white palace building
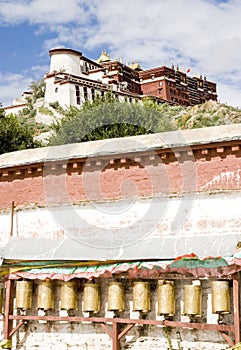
[(74, 79)]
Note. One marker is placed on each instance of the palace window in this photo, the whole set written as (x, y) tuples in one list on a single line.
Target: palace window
[(77, 93), (85, 93), (93, 94)]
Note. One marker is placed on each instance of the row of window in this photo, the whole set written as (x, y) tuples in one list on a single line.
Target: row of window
[(180, 94), (180, 102), (87, 66), (85, 93), (92, 93)]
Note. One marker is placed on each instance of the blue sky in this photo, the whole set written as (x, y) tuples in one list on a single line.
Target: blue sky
[(203, 35)]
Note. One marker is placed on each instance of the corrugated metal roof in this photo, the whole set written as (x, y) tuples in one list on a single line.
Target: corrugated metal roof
[(155, 248), (174, 139)]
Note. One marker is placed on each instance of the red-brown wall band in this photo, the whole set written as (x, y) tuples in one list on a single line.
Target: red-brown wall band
[(205, 168)]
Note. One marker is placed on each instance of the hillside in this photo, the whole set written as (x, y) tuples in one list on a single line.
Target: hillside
[(210, 113), (102, 120)]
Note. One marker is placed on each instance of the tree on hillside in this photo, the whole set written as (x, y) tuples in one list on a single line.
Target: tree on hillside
[(108, 119), (15, 134), (1, 110), (38, 89)]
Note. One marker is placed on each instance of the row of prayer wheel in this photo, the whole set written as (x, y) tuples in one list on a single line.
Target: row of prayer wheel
[(116, 293)]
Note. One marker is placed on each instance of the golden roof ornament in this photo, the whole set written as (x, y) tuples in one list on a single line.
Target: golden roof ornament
[(134, 65), (104, 57)]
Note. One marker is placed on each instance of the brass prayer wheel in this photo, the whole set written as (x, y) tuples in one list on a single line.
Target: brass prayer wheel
[(141, 296), (116, 296), (45, 299), (68, 296), (220, 297), (6, 343), (192, 300), (91, 298), (166, 298), (24, 291)]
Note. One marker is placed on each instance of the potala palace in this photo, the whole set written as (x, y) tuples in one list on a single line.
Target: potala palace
[(73, 79)]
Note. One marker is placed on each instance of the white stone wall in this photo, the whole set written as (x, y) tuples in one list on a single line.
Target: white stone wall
[(66, 62), (14, 109), (50, 95), (57, 92), (200, 215), (96, 75)]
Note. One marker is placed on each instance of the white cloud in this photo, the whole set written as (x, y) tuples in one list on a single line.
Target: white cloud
[(41, 11), (12, 85), (203, 35), (229, 94)]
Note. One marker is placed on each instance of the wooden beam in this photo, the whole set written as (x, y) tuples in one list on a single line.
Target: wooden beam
[(115, 340), (106, 329), (8, 322), (121, 334), (227, 338), (12, 216), (14, 330), (236, 310), (202, 326)]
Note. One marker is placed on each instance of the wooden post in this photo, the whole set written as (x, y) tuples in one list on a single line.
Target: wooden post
[(8, 323), (236, 308), (12, 216), (115, 340)]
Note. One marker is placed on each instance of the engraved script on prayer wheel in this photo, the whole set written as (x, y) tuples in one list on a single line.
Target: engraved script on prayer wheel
[(220, 297), (91, 298), (45, 295), (166, 298), (116, 296), (192, 300), (24, 290), (68, 296), (141, 296)]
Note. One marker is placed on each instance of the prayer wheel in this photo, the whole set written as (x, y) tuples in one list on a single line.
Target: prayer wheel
[(192, 299), (91, 298), (6, 343), (45, 299), (220, 297), (166, 298), (24, 291), (141, 296), (116, 296), (68, 296)]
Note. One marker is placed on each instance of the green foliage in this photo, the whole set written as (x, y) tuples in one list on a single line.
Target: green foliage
[(207, 114), (28, 111), (15, 133), (1, 111), (27, 117), (45, 110), (54, 105), (108, 119), (27, 114), (38, 90)]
